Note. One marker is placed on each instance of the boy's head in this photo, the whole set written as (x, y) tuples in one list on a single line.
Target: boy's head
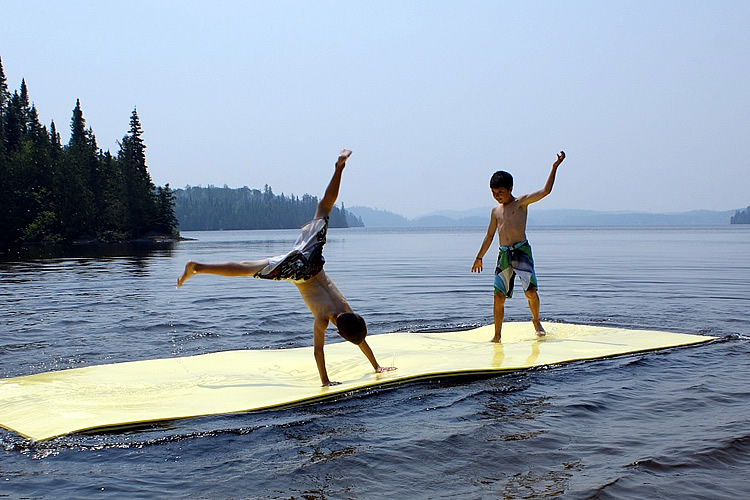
[(501, 179), (501, 185), (352, 327)]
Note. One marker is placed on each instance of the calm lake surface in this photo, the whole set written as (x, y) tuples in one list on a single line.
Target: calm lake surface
[(666, 424)]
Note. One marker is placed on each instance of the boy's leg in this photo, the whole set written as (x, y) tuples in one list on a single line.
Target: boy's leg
[(248, 268), (332, 191), (533, 297), (503, 287), (498, 313)]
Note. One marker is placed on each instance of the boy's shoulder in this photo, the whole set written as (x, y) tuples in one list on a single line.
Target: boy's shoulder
[(525, 199)]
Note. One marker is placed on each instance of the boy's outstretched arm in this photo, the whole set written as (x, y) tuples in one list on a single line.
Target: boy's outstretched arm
[(547, 189), (319, 338), (332, 191), (365, 348), (477, 266)]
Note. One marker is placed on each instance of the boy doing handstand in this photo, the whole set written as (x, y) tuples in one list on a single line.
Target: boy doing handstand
[(508, 218), (304, 267)]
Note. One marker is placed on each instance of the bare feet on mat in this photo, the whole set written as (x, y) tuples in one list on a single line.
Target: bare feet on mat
[(540, 331)]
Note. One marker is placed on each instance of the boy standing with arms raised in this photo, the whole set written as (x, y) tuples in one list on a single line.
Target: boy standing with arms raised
[(509, 220)]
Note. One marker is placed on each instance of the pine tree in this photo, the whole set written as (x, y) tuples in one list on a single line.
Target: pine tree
[(24, 94), (12, 216), (4, 98), (15, 122), (116, 225), (77, 128), (6, 229), (26, 170), (142, 203), (4, 94), (54, 137), (72, 187), (166, 222)]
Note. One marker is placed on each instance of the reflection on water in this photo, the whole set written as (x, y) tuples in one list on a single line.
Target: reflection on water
[(135, 252)]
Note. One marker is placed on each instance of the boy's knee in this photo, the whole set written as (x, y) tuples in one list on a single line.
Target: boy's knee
[(531, 292)]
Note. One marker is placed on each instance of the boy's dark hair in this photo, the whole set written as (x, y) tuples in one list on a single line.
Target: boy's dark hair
[(501, 179), (352, 327)]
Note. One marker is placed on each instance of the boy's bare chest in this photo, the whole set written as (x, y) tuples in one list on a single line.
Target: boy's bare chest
[(511, 214), (511, 223)]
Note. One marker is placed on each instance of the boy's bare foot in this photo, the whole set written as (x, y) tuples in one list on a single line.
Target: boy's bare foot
[(540, 331), (495, 339), (189, 273), (343, 156)]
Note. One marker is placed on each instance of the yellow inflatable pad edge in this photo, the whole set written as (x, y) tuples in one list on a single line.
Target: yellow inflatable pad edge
[(51, 404)]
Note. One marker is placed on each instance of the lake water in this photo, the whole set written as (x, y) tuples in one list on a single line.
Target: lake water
[(666, 424)]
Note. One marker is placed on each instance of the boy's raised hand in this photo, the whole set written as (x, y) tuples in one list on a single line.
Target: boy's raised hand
[(560, 158)]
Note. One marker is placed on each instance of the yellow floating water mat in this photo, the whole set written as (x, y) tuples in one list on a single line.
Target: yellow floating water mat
[(51, 404)]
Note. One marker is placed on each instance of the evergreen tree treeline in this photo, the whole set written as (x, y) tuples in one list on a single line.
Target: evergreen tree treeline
[(52, 192), (214, 208), (741, 217)]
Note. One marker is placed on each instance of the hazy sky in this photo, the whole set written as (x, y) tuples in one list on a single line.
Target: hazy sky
[(649, 99)]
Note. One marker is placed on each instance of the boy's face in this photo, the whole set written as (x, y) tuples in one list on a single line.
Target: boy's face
[(502, 195)]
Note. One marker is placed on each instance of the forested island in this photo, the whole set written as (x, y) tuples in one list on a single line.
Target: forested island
[(76, 192), (741, 217), (223, 208), (55, 193)]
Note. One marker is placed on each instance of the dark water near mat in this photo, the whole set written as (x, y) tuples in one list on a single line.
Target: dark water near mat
[(668, 424)]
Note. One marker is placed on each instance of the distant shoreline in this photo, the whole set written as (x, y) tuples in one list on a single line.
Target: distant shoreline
[(92, 246), (559, 217)]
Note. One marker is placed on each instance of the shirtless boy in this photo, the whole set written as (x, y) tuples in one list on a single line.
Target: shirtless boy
[(304, 267), (509, 220)]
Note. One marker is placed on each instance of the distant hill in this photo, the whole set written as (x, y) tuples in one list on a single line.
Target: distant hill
[(372, 217), (594, 218)]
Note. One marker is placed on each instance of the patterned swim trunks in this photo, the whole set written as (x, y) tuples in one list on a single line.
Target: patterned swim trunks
[(514, 260), (305, 260)]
